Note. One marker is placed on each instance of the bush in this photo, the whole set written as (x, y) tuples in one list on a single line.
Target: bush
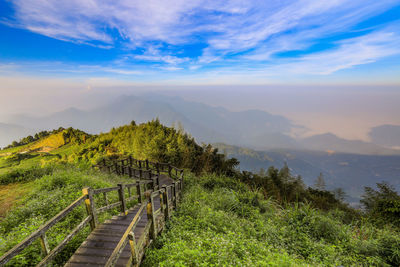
[(25, 175), (221, 221)]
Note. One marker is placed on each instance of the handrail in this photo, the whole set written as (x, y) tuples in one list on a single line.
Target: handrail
[(143, 165), (92, 211), (41, 232)]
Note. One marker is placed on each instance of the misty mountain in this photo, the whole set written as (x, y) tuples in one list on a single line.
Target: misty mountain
[(330, 142), (11, 132), (205, 123), (386, 135), (255, 129), (349, 171)]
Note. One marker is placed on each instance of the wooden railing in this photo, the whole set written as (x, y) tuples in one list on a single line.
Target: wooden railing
[(142, 169), (147, 186), (41, 232)]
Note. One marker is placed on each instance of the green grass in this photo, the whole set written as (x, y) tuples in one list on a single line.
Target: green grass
[(14, 149), (48, 195), (11, 195), (220, 222)]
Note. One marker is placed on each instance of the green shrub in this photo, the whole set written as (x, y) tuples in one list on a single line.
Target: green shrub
[(25, 175), (221, 222)]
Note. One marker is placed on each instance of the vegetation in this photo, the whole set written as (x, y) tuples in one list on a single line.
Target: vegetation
[(151, 140), (222, 222), (227, 217), (382, 205), (48, 195), (30, 138)]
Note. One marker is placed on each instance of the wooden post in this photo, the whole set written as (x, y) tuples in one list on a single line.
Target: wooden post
[(134, 250), (181, 180), (140, 173), (169, 170), (129, 171), (105, 198), (147, 164), (162, 206), (154, 184), (130, 160), (139, 191), (166, 202), (150, 215), (158, 168), (174, 195), (140, 164), (90, 206), (44, 244), (122, 198), (158, 179)]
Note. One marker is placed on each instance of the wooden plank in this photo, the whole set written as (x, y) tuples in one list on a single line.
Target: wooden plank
[(77, 264), (122, 243), (101, 252), (104, 239)]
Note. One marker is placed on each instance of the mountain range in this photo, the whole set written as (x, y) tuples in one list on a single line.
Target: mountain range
[(351, 172), (255, 129)]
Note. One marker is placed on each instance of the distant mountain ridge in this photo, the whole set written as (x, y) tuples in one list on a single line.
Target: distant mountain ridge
[(11, 132), (349, 171), (250, 128), (330, 142), (386, 135)]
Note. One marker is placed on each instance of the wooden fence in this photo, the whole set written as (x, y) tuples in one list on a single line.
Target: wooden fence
[(147, 184)]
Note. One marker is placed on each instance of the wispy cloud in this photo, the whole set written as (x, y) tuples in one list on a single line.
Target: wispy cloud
[(353, 52), (220, 33)]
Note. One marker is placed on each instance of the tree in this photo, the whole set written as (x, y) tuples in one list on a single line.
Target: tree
[(339, 193), (320, 182), (382, 205)]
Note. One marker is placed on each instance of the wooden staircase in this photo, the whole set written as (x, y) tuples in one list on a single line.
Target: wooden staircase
[(100, 244), (123, 239)]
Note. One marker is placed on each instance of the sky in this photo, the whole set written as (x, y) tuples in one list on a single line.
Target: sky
[(54, 53)]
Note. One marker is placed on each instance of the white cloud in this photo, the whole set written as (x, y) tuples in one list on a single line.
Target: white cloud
[(239, 30), (351, 52)]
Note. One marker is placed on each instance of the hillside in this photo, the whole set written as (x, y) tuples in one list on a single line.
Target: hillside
[(330, 142), (221, 222), (226, 217), (150, 140)]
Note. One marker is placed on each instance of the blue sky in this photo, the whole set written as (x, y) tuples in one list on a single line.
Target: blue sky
[(202, 41)]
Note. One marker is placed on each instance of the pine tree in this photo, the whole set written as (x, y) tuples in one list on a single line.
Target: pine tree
[(320, 182)]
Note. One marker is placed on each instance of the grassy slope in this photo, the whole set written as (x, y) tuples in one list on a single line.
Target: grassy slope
[(220, 222), (11, 195), (47, 196)]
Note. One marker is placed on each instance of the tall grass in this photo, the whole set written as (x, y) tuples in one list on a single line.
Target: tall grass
[(49, 194), (221, 222)]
